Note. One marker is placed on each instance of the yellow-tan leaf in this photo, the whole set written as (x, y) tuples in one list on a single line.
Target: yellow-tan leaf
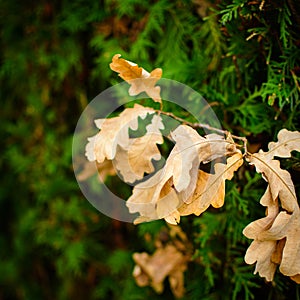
[(210, 188), (139, 79), (137, 160), (114, 132)]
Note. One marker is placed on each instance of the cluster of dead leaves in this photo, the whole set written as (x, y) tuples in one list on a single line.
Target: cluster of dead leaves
[(112, 145), (276, 236), (168, 261), (181, 188)]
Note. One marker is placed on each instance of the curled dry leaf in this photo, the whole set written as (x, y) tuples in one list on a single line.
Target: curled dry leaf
[(174, 185), (261, 251), (139, 79), (168, 260), (210, 188), (277, 236)]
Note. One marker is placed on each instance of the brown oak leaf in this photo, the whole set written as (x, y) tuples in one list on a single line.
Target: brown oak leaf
[(165, 262), (288, 141), (137, 159), (139, 79), (281, 184), (168, 261), (276, 238), (261, 251), (114, 132), (210, 188), (161, 195)]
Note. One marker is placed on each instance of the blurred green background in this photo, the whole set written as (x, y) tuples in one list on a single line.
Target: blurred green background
[(242, 56)]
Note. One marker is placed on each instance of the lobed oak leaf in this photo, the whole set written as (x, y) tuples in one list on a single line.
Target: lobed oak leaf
[(189, 151), (148, 204), (137, 160), (139, 79), (277, 245), (261, 251), (277, 236), (288, 141), (168, 261), (114, 132), (253, 229), (155, 198), (280, 181), (163, 263), (286, 226), (210, 188)]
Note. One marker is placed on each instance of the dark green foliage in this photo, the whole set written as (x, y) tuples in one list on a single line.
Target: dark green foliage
[(243, 56)]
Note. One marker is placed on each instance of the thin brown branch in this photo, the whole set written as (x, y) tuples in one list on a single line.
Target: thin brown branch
[(205, 126)]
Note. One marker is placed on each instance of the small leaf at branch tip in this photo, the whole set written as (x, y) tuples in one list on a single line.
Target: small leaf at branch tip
[(139, 79)]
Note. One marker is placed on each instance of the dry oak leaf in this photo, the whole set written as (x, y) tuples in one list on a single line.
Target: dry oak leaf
[(277, 236), (210, 188), (166, 261), (288, 141), (148, 205), (190, 150), (281, 184), (280, 180), (286, 226), (137, 159), (261, 251), (276, 241), (114, 132), (160, 196), (139, 79)]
